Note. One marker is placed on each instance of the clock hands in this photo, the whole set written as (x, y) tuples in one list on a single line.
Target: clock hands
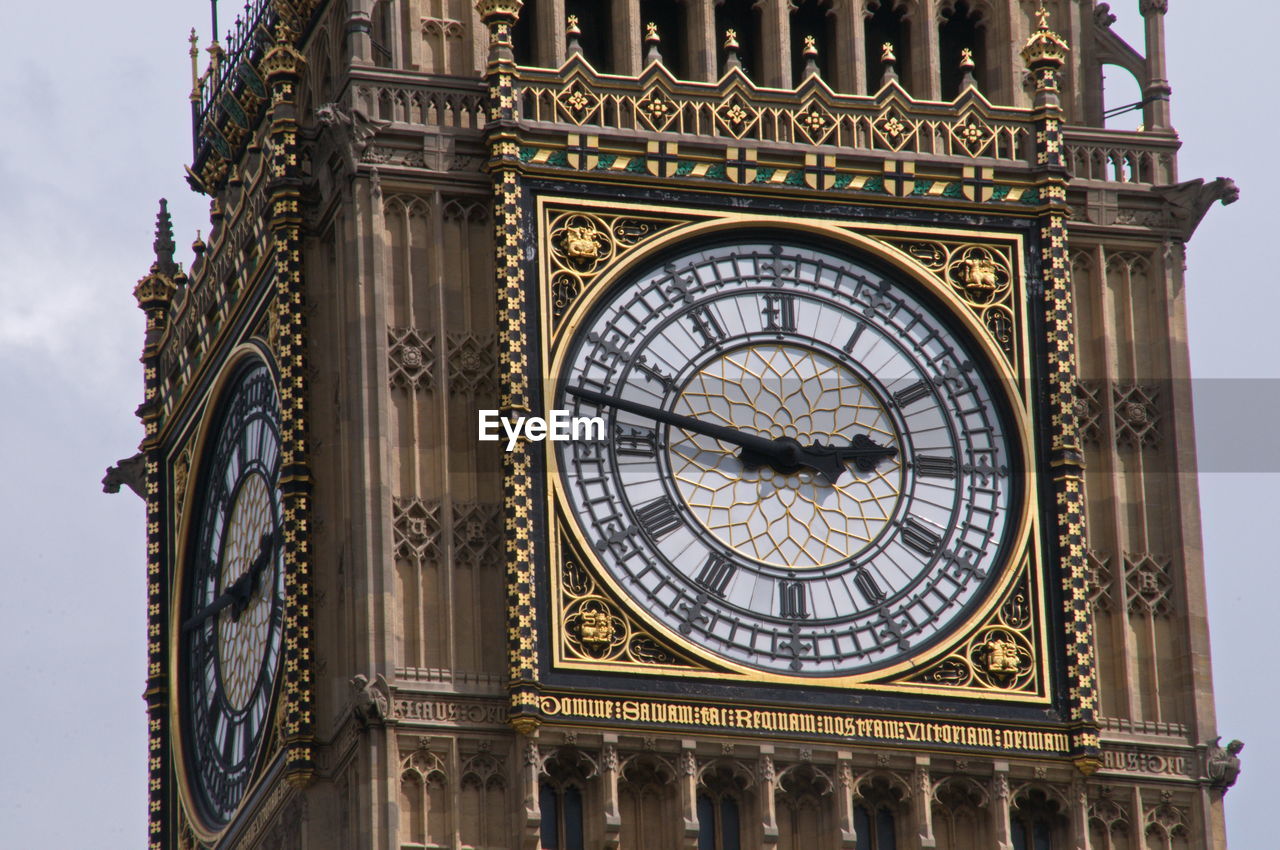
[(784, 454), (240, 591)]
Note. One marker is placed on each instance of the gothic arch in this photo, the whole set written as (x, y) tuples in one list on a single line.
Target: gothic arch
[(648, 802), (804, 807), (960, 818), (423, 798)]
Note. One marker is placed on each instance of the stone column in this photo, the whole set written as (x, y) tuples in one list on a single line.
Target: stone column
[(548, 30), (688, 783), (1001, 828), (844, 800), (922, 804), (360, 32), (1155, 114), (926, 77), (848, 71), (775, 43), (628, 32), (609, 790), (768, 788), (700, 40)]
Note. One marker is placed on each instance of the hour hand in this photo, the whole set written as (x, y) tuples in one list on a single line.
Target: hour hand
[(242, 589)]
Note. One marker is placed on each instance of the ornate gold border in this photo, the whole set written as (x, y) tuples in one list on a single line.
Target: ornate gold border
[(870, 238)]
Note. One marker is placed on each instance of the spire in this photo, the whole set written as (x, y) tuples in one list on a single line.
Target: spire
[(731, 60), (652, 39), (810, 57), (887, 58), (572, 32), (966, 69), (164, 245)]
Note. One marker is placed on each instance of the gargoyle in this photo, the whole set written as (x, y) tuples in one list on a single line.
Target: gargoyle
[(130, 472), (352, 129), (1190, 200)]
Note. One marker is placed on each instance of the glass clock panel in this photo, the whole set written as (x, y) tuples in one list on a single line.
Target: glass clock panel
[(807, 472), (232, 608)]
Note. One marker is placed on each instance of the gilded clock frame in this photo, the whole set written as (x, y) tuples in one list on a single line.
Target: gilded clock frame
[(193, 453), (891, 245)]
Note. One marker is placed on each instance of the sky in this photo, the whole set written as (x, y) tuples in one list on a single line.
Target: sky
[(97, 128)]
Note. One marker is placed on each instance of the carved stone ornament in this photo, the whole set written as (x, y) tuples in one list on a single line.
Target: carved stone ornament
[(1137, 416), (1149, 584), (370, 700), (411, 359), (473, 364), (593, 628), (1000, 654), (584, 243), (351, 128), (416, 526), (131, 472), (1222, 765), (981, 276)]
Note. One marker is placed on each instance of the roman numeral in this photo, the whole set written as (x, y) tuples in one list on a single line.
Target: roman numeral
[(935, 467), (919, 537), (659, 517), (910, 394), (653, 373), (866, 584), (779, 312), (793, 600), (635, 441), (858, 328), (715, 574), (706, 324)]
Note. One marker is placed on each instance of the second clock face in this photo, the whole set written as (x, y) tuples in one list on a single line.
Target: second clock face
[(857, 500)]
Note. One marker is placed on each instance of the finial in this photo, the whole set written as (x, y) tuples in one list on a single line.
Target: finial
[(571, 32), (731, 60), (966, 67), (1045, 48), (652, 39), (198, 247), (1045, 52), (887, 57), (164, 244), (810, 57)]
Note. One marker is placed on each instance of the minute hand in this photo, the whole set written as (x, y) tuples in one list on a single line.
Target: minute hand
[(784, 455)]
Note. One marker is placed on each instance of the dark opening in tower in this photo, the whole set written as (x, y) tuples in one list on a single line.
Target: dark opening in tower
[(887, 24), (669, 16), (962, 29), (595, 19), (741, 17), (524, 33), (813, 18)]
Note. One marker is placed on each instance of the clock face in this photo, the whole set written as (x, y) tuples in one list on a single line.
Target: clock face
[(839, 492), (233, 598)]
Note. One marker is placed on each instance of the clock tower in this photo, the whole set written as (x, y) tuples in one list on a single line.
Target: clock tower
[(880, 531)]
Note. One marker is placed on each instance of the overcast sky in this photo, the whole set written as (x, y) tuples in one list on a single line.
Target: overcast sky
[(97, 128)]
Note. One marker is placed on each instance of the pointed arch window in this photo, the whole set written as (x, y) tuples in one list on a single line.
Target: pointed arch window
[(381, 33), (962, 27), (721, 791), (887, 23), (1035, 822), (743, 17), (876, 814), (813, 18), (561, 794), (669, 16), (595, 19)]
